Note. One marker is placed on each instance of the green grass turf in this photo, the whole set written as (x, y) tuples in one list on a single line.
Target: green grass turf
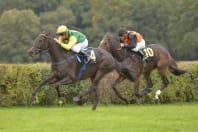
[(109, 118)]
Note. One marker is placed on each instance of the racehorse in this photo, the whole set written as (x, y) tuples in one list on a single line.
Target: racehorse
[(160, 59), (66, 67)]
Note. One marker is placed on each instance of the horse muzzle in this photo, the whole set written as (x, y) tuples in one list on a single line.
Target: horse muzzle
[(33, 52)]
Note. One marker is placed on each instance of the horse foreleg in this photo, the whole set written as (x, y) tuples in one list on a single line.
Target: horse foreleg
[(136, 90), (79, 97), (37, 89), (149, 84), (114, 83), (64, 81)]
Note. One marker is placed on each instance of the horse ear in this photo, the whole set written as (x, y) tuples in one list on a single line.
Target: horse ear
[(43, 32), (47, 33)]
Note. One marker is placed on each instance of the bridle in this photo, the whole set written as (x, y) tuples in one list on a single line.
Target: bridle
[(119, 49)]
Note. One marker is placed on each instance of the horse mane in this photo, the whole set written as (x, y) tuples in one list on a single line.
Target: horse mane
[(52, 36), (124, 51)]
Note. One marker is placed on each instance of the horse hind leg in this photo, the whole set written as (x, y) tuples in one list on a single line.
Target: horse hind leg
[(92, 88), (165, 83)]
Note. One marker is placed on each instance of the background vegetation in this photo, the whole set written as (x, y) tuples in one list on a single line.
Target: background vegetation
[(170, 23), (18, 81)]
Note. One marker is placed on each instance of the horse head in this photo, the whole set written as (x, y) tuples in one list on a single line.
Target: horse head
[(112, 46), (41, 43), (107, 43)]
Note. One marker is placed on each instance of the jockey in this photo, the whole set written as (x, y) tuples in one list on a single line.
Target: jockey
[(133, 40), (72, 40)]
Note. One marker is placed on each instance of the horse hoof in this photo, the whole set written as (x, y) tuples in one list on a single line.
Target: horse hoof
[(94, 108), (126, 102), (30, 102), (138, 101), (156, 100), (61, 95), (29, 105), (76, 99)]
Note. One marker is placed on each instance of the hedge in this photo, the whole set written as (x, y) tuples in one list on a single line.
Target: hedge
[(17, 82)]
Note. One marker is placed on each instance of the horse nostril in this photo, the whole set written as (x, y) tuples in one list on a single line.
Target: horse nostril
[(30, 52)]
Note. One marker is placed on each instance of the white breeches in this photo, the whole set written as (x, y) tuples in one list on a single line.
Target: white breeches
[(140, 45), (77, 47)]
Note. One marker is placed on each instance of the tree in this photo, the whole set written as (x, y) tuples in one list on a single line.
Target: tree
[(17, 31), (183, 28), (51, 20)]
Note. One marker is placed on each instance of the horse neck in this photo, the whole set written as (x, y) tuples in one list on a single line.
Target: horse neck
[(56, 52), (119, 54)]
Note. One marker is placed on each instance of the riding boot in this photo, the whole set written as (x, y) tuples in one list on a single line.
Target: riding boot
[(144, 57), (87, 56)]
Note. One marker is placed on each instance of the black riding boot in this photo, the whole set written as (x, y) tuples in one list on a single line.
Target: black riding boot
[(144, 57), (87, 56)]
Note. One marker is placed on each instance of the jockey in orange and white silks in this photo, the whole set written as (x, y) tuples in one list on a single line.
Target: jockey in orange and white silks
[(133, 40)]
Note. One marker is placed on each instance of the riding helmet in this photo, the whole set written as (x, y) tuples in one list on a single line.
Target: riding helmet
[(122, 31), (62, 29)]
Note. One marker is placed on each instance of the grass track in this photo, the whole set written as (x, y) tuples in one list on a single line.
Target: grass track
[(110, 118)]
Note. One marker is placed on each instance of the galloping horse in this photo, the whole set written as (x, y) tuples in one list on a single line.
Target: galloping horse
[(162, 61), (65, 67)]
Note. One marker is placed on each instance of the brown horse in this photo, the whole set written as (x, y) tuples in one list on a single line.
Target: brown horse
[(161, 59), (66, 68)]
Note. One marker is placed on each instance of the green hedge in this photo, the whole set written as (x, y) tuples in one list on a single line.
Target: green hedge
[(17, 82)]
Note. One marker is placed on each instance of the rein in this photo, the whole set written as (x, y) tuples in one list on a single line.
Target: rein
[(59, 62), (119, 49), (63, 61), (42, 34)]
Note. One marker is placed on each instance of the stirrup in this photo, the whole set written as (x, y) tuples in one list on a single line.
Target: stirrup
[(144, 58), (143, 55), (87, 59)]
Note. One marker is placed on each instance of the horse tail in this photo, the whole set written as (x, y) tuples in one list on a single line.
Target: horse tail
[(125, 71), (174, 69)]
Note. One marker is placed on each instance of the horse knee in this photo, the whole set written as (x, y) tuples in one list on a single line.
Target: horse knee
[(150, 85), (149, 89), (113, 84), (166, 83), (138, 95)]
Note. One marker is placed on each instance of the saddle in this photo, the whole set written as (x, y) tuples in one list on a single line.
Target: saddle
[(86, 56), (147, 54)]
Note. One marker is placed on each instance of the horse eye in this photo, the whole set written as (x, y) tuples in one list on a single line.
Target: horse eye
[(40, 40)]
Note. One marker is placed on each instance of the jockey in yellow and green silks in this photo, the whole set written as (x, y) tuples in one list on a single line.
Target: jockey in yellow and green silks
[(71, 40)]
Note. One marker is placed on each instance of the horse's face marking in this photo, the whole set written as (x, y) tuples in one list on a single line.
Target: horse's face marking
[(106, 42)]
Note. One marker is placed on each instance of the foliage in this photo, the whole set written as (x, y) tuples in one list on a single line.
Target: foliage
[(170, 23), (17, 28), (18, 81)]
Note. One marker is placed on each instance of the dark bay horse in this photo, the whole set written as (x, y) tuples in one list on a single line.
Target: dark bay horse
[(163, 62), (65, 67)]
